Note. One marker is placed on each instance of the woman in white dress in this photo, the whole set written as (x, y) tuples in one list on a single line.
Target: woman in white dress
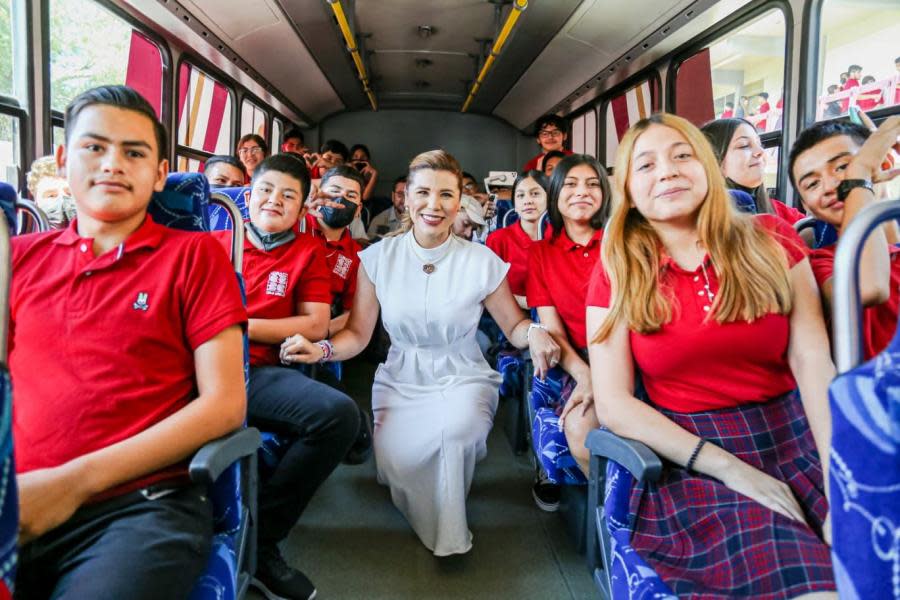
[(434, 397)]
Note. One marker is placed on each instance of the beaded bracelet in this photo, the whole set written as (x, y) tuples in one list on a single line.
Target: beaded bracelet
[(327, 350), (690, 463)]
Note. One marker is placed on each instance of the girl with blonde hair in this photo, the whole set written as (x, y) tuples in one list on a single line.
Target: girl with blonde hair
[(719, 313), (435, 396)]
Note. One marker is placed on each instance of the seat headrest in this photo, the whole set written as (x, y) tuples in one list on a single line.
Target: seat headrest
[(218, 217), (183, 204), (744, 201), (8, 197), (825, 234)]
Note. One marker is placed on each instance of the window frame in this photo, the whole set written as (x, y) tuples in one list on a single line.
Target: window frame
[(267, 114), (571, 118), (198, 63), (810, 45), (56, 118), (721, 30), (19, 108), (273, 149), (650, 74)]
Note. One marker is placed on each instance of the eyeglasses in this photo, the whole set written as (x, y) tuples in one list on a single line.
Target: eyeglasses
[(470, 187), (548, 133), (253, 150)]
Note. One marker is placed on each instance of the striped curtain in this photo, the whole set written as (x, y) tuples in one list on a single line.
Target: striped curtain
[(622, 112), (204, 113)]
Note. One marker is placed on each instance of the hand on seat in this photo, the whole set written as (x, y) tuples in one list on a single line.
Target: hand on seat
[(298, 349)]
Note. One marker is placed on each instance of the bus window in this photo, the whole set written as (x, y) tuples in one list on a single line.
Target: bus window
[(59, 136), (204, 116), (78, 62), (9, 150), (253, 120), (859, 58), (625, 110), (741, 74), (584, 133), (12, 85), (277, 134)]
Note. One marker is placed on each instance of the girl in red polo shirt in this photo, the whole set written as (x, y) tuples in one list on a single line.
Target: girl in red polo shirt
[(719, 312), (559, 268), (742, 158), (512, 243)]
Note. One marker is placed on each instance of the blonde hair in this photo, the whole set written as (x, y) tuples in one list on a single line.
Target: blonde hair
[(751, 265), (434, 160), (44, 166)]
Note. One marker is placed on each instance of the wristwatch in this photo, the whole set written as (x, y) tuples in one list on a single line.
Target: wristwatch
[(846, 186)]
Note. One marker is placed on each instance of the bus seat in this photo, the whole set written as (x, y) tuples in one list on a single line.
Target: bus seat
[(743, 201), (227, 465), (32, 220), (8, 198), (616, 464), (218, 219), (183, 203), (9, 501), (823, 234), (865, 448)]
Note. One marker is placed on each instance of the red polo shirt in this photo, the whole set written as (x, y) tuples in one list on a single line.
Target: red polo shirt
[(102, 348), (343, 263), (692, 364), (558, 275), (512, 244), (879, 321), (791, 215), (277, 281), (535, 163)]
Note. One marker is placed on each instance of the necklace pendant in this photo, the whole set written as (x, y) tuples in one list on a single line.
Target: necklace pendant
[(428, 268)]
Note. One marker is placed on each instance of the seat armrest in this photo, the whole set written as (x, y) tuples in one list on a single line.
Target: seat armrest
[(212, 459), (638, 458)]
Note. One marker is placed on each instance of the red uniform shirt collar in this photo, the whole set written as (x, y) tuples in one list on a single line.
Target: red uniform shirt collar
[(565, 242), (148, 235)]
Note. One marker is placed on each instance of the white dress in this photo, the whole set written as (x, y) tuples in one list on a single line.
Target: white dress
[(435, 396)]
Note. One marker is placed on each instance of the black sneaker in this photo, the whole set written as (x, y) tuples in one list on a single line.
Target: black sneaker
[(277, 580), (545, 492), (361, 449)]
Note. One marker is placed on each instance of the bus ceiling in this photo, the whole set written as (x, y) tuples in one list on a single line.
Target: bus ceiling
[(317, 58)]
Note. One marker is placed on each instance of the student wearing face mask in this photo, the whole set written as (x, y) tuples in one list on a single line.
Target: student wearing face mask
[(51, 192)]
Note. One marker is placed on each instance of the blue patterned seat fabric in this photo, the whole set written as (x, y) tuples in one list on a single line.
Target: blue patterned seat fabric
[(9, 501), (743, 201), (218, 217), (865, 478), (629, 574), (8, 198), (550, 445), (183, 204)]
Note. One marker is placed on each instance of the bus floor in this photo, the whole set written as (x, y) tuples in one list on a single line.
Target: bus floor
[(354, 544)]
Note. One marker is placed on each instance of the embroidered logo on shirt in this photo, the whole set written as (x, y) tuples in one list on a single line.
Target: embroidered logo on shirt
[(342, 266), (277, 285), (141, 302)]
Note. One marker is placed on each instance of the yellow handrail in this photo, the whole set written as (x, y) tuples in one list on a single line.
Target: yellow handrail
[(519, 7), (354, 49)]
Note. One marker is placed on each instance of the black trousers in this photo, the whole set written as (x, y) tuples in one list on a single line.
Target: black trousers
[(321, 424), (126, 547)]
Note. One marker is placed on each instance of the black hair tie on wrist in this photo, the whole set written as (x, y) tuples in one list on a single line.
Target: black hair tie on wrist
[(690, 463)]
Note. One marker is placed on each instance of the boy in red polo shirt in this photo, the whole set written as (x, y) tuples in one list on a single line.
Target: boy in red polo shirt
[(288, 292), (126, 356), (330, 225), (824, 156), (550, 134)]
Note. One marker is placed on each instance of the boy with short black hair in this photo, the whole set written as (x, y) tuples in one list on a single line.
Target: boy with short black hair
[(126, 356), (224, 170), (833, 166), (288, 292), (550, 134), (294, 141)]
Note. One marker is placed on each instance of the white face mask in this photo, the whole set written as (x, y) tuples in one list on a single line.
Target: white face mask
[(60, 211)]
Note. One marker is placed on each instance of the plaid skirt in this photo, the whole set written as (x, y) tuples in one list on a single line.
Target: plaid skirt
[(707, 541)]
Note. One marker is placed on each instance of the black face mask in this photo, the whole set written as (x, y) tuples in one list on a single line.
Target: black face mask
[(338, 217)]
